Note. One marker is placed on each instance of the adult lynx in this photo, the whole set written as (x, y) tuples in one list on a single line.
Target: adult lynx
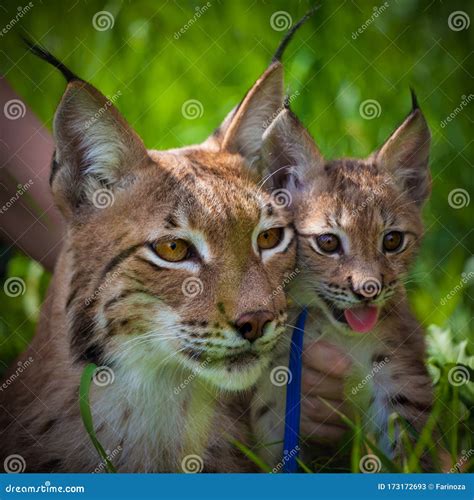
[(167, 266)]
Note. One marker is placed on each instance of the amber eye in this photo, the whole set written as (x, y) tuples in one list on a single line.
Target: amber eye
[(392, 241), (173, 250), (269, 238), (328, 243)]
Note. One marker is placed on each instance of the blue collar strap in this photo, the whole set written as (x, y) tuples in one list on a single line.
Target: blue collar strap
[(293, 397)]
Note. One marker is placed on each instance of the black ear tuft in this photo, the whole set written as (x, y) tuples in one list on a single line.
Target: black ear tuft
[(414, 100), (287, 38), (405, 154), (42, 53)]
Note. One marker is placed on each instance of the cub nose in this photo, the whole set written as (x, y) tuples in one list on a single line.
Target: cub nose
[(366, 289), (251, 325)]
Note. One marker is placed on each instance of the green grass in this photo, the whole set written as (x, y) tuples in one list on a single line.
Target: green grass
[(216, 61), (86, 414), (446, 440)]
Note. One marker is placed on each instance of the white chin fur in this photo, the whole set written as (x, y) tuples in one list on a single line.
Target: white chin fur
[(238, 379)]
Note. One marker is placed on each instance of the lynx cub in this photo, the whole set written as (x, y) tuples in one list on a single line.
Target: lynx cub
[(359, 227)]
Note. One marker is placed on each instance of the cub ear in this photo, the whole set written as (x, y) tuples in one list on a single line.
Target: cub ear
[(405, 154), (243, 129), (289, 154), (95, 147)]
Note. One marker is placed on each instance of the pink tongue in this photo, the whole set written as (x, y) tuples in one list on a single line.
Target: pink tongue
[(362, 319)]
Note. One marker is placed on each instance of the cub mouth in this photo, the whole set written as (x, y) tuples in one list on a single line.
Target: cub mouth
[(360, 319)]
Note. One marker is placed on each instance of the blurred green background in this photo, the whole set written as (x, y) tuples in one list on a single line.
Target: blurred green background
[(334, 67)]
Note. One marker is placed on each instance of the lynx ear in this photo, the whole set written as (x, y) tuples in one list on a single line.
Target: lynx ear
[(95, 147), (242, 131), (406, 152), (289, 154)]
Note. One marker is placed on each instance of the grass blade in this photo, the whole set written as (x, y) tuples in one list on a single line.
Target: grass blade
[(250, 454), (304, 467), (389, 464), (86, 414)]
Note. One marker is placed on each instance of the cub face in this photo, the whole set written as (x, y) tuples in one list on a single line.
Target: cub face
[(358, 221), (176, 257)]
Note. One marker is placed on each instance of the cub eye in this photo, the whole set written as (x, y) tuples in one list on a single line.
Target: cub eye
[(173, 250), (392, 241), (270, 238), (328, 243)]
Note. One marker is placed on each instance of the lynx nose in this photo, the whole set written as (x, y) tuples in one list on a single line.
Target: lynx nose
[(367, 288), (251, 325)]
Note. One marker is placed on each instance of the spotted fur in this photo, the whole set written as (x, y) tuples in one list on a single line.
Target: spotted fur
[(166, 331), (359, 201)]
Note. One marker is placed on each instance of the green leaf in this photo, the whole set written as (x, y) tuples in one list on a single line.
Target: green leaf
[(86, 414)]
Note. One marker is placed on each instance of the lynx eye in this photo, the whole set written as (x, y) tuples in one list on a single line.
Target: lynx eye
[(328, 243), (393, 241), (173, 250), (270, 238)]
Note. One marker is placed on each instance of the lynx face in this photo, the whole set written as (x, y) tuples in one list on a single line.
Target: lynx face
[(358, 235), (175, 258), (358, 221), (186, 266)]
